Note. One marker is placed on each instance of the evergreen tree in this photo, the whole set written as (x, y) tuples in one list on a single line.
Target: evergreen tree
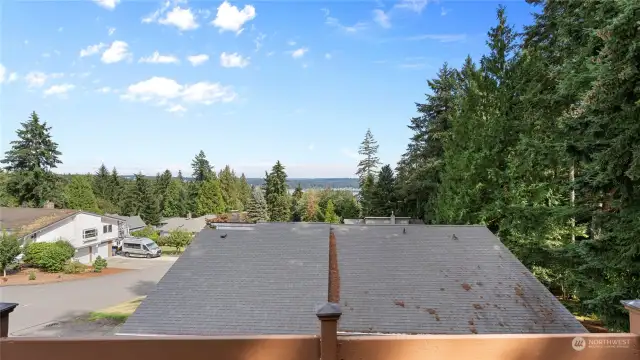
[(209, 199), (370, 161), (366, 195), (6, 199), (148, 203), (257, 206), (79, 194), (277, 196), (297, 211), (311, 209), (117, 187), (384, 201), (330, 214), (180, 176), (129, 205), (30, 161), (229, 187), (244, 191), (202, 169), (162, 186), (102, 183), (174, 200)]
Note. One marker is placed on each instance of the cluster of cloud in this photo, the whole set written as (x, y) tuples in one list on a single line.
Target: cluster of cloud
[(115, 52), (167, 92), (4, 78), (228, 17)]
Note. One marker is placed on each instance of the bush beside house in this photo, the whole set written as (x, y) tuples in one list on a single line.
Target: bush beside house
[(9, 249), (50, 257)]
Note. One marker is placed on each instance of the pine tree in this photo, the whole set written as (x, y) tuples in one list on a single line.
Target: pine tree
[(79, 194), (148, 203), (296, 200), (383, 201), (277, 196), (330, 214), (30, 161), (228, 185), (209, 199), (102, 183), (174, 200), (162, 186), (129, 205), (257, 206), (244, 191), (366, 195), (180, 176), (117, 187), (370, 162), (202, 169)]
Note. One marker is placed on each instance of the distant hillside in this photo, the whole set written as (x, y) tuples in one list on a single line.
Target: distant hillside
[(306, 183)]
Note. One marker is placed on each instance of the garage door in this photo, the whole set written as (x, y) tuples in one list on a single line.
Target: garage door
[(103, 250), (82, 255)]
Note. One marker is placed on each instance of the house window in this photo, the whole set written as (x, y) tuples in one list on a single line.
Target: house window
[(107, 229), (89, 233)]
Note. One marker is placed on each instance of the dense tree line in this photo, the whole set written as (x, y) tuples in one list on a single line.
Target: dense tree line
[(28, 180), (538, 140)]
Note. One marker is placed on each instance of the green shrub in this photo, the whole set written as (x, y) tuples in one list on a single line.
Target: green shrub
[(67, 247), (33, 252), (99, 264), (53, 259), (74, 267), (50, 257), (148, 232), (32, 275)]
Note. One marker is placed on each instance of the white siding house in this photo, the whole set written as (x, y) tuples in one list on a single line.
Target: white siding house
[(91, 234)]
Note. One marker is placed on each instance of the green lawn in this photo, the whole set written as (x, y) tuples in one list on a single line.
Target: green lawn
[(169, 251), (118, 313)]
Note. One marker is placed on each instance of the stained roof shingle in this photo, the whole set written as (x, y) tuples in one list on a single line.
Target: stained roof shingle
[(427, 281), (269, 281), (23, 221)]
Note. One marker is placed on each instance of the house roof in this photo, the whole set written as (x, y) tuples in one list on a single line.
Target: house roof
[(269, 281), (423, 279), (388, 279), (191, 225), (23, 221), (134, 222)]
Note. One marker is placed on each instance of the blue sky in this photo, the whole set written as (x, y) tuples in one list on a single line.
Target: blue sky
[(145, 85)]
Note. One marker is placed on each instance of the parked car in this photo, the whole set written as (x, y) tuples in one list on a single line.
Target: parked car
[(142, 247)]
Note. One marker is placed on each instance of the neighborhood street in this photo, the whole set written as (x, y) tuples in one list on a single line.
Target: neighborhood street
[(41, 304)]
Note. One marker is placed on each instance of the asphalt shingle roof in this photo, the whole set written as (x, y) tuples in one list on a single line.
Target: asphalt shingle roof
[(269, 281), (23, 221), (426, 281)]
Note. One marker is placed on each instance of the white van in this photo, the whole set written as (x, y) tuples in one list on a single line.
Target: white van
[(140, 247)]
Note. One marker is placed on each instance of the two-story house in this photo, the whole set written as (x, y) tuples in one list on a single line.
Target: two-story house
[(91, 234)]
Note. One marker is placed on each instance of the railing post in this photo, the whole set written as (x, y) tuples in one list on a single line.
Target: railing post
[(5, 310), (329, 314), (633, 306)]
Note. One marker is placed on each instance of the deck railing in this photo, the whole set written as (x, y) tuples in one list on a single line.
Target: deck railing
[(328, 345)]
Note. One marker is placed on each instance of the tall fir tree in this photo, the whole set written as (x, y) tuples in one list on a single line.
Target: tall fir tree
[(79, 194), (148, 203), (330, 214), (102, 183), (209, 199), (257, 206), (244, 191), (31, 160), (202, 169), (277, 195), (384, 198), (229, 187), (370, 160), (366, 195), (174, 204)]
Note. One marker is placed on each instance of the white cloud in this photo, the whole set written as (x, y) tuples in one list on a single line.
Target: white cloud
[(350, 153), (196, 60), (381, 18), (3, 73), (118, 51), (12, 77), (92, 49), (328, 56), (62, 89), (38, 78), (258, 41), (233, 60), (160, 90), (291, 43), (156, 58), (296, 54), (412, 5), (105, 90), (181, 18), (230, 18), (334, 22), (107, 4), (111, 30), (176, 109)]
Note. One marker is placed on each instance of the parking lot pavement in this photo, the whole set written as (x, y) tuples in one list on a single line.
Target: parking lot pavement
[(42, 304), (122, 262)]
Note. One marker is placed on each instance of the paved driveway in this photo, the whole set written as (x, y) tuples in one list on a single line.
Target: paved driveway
[(40, 304)]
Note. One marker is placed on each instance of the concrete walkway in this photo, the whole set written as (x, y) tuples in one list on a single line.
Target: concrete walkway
[(41, 304)]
